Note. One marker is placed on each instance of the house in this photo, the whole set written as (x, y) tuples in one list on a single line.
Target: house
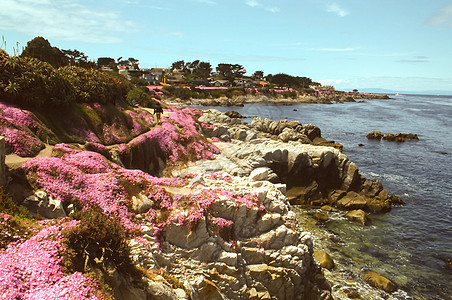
[(106, 69), (176, 78), (240, 82), (151, 79), (221, 83), (261, 83)]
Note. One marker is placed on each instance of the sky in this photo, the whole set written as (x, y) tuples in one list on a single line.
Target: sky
[(402, 45)]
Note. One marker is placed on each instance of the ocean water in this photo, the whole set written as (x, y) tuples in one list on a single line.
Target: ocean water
[(410, 244)]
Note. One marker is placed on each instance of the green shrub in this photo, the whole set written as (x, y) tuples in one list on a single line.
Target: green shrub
[(93, 86), (235, 92), (30, 82), (15, 222), (182, 93), (139, 81), (97, 239), (137, 96), (8, 206)]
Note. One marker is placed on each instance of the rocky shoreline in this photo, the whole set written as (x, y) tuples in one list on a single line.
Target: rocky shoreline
[(227, 230), (306, 99)]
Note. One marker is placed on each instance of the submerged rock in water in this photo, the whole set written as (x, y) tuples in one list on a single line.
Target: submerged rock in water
[(400, 137), (321, 217), (324, 259), (380, 282), (374, 135), (358, 216)]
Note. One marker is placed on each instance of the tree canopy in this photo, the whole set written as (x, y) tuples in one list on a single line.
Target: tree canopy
[(41, 49), (258, 75), (231, 71), (286, 80)]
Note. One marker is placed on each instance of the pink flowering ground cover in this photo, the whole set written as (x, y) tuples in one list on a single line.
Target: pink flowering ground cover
[(32, 270), (179, 137), (21, 131), (110, 124), (88, 179), (25, 134)]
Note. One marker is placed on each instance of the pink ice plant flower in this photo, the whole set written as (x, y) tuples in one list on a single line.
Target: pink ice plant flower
[(222, 223), (20, 130), (31, 270), (179, 136)]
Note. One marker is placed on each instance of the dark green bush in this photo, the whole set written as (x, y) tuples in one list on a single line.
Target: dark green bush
[(137, 96), (8, 206), (139, 81), (17, 225), (97, 239), (30, 82), (95, 86)]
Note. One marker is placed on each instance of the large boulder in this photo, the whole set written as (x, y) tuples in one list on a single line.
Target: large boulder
[(233, 114), (380, 282), (187, 237), (324, 259), (358, 216), (353, 201), (42, 206)]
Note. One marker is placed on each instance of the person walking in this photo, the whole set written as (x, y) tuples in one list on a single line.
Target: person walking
[(158, 110)]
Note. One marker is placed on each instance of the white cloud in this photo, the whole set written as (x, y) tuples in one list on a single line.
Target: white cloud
[(62, 19), (442, 16), (252, 3), (272, 9), (331, 81), (265, 6), (335, 49), (415, 59), (210, 2), (337, 9)]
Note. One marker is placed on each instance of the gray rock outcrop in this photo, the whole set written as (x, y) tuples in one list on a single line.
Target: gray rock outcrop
[(42, 206), (264, 252), (319, 174)]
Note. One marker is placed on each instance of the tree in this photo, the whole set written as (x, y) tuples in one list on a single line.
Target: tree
[(106, 62), (282, 79), (190, 67), (41, 49), (258, 75), (134, 62), (178, 65), (124, 62), (203, 70), (303, 82), (75, 57), (230, 72)]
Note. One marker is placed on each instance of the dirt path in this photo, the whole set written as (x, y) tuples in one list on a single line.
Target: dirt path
[(14, 161)]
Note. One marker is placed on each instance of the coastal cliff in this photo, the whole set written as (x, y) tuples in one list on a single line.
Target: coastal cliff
[(219, 226)]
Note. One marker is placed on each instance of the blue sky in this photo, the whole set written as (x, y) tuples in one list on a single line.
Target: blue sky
[(393, 44)]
